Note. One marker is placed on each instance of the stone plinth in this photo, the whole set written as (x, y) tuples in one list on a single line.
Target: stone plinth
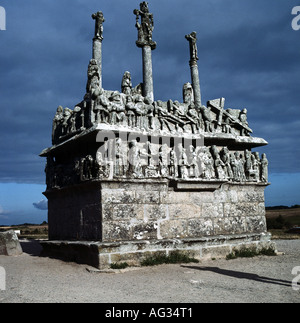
[(103, 254)]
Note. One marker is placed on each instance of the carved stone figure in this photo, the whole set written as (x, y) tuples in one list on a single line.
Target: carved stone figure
[(93, 75), (205, 111), (126, 84), (66, 126), (162, 163), (145, 28), (74, 118), (258, 162), (101, 107), (193, 162), (248, 164), (101, 166), (218, 164), (237, 164), (88, 167), (242, 168), (117, 109), (206, 163), (226, 127), (120, 158), (243, 119), (182, 162), (99, 20), (150, 114), (193, 113), (192, 38), (130, 112), (255, 168), (234, 167), (173, 165), (134, 160), (57, 124), (264, 168), (188, 96), (225, 157), (140, 112)]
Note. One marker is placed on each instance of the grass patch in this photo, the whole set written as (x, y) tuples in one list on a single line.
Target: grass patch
[(121, 265), (245, 252), (174, 257)]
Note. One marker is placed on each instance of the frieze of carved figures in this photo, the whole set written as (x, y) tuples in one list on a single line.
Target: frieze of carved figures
[(136, 160), (129, 108), (66, 122)]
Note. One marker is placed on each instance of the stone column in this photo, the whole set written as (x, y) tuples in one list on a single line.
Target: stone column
[(195, 83), (97, 55), (97, 42), (147, 73), (192, 38)]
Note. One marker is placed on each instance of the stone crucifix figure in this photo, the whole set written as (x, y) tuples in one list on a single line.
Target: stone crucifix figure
[(99, 20), (192, 38), (145, 28)]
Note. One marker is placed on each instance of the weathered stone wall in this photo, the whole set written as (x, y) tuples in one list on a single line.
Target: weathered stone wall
[(136, 211), (146, 209), (74, 213)]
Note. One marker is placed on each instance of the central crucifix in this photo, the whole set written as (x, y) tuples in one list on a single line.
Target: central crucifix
[(145, 29)]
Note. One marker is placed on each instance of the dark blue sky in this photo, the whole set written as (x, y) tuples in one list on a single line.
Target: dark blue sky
[(248, 53)]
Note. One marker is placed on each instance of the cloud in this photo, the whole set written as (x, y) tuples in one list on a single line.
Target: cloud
[(41, 205)]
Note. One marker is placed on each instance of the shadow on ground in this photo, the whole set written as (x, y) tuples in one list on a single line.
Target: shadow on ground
[(242, 275), (31, 247)]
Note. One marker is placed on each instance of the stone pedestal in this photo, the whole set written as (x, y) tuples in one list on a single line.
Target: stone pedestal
[(131, 219), (130, 210)]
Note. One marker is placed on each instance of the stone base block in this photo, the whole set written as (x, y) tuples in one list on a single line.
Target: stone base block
[(102, 254)]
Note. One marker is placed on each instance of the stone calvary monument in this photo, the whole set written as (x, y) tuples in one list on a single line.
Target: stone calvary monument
[(129, 175)]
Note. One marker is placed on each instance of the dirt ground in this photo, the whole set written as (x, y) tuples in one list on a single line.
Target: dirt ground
[(30, 278)]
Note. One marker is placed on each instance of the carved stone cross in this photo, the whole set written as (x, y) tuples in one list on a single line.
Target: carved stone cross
[(99, 20)]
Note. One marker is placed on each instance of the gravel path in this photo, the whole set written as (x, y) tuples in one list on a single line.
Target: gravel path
[(30, 278)]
